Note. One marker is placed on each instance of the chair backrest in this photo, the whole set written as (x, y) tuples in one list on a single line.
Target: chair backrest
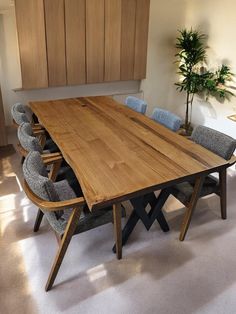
[(21, 113), (136, 104), (36, 176), (167, 118), (27, 139), (217, 142)]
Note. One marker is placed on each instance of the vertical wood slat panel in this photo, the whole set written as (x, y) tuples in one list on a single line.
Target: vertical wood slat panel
[(55, 36), (141, 38), (128, 39), (95, 40), (32, 43), (75, 41), (112, 39)]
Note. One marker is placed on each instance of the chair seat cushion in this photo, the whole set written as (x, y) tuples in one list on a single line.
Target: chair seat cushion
[(88, 220), (64, 191), (183, 191)]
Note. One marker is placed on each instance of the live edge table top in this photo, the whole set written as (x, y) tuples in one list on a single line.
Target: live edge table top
[(117, 153)]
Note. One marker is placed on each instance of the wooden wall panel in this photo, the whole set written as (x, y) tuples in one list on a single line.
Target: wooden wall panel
[(55, 35), (95, 38), (141, 38), (128, 39), (112, 39), (32, 43), (70, 42), (75, 41)]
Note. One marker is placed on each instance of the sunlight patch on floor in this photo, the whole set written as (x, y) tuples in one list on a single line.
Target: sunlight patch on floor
[(7, 207), (96, 273)]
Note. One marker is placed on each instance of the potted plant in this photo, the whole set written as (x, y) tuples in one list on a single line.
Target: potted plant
[(194, 76)]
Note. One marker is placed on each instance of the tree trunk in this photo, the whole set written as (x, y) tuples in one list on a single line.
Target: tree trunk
[(186, 123)]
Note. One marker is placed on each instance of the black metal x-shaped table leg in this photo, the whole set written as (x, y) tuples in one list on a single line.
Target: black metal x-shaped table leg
[(139, 212)]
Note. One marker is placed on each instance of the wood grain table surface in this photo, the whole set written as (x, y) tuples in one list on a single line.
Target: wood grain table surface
[(117, 153)]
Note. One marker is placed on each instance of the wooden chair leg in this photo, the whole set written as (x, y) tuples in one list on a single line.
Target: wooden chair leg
[(42, 140), (70, 228), (117, 229), (54, 170), (38, 220), (190, 207), (223, 194)]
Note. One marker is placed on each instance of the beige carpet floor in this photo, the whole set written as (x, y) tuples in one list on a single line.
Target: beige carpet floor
[(158, 274)]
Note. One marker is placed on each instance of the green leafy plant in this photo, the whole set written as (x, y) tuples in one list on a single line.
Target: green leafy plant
[(214, 83), (194, 76)]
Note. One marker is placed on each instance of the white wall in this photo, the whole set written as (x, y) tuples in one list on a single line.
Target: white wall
[(166, 17), (10, 75), (217, 20)]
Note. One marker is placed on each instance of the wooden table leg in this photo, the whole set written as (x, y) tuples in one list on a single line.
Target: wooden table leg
[(191, 206), (223, 193), (117, 229)]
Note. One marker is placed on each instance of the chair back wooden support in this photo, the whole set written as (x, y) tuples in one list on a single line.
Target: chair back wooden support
[(40, 134), (54, 160)]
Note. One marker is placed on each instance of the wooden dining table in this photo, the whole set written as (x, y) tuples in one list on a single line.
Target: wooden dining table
[(118, 154)]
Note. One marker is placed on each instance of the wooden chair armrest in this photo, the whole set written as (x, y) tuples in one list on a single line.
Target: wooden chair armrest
[(39, 131), (37, 126), (51, 158), (52, 206)]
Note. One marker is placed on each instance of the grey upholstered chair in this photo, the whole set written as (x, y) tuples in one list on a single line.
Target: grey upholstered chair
[(166, 118), (136, 104), (60, 206), (217, 142), (35, 140), (220, 144), (27, 138), (60, 170), (21, 113)]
